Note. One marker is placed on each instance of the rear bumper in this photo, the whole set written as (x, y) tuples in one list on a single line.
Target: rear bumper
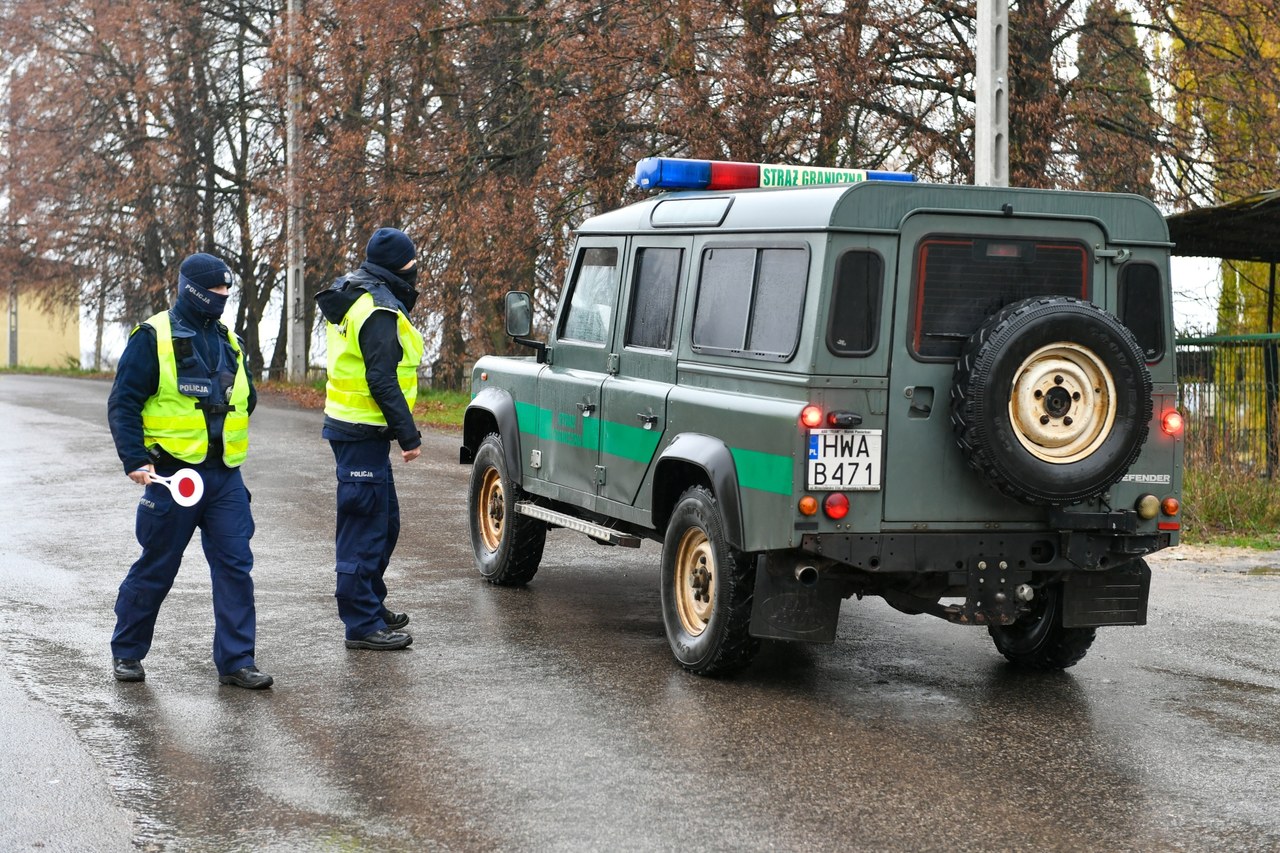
[(1102, 578), (932, 553)]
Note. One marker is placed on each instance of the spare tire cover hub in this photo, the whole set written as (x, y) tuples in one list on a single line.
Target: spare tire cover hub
[(1063, 403)]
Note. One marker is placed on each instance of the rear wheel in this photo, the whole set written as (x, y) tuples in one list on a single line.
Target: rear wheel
[(707, 589), (508, 546), (1038, 640)]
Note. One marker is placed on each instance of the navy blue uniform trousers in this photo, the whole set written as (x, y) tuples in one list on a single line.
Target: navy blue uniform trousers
[(368, 528), (164, 529)]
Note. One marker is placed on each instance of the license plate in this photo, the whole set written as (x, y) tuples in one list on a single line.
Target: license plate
[(844, 460)]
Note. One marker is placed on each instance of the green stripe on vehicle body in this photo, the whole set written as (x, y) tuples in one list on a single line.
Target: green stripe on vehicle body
[(528, 418), (565, 428), (766, 472), (630, 442)]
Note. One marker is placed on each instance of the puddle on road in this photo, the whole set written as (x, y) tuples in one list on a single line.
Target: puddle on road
[(1264, 570)]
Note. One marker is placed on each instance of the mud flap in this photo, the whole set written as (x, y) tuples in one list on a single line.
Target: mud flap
[(1114, 597), (786, 609)]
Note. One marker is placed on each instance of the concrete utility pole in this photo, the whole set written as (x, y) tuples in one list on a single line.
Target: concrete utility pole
[(991, 96), (295, 290), (11, 223), (13, 322)]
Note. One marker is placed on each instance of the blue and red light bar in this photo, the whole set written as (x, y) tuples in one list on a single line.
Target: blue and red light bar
[(675, 173)]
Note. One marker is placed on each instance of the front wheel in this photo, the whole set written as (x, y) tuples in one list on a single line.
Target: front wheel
[(1038, 640), (707, 589), (508, 546)]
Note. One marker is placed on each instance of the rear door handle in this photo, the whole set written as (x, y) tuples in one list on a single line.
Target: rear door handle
[(650, 421)]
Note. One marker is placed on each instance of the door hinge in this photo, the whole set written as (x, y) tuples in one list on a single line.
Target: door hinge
[(1117, 256), (599, 475), (611, 365)]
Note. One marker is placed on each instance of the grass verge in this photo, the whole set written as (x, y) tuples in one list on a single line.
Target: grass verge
[(1221, 506), (434, 409), (73, 372)]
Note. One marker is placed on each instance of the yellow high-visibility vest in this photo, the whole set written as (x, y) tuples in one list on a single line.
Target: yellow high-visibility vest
[(171, 419), (347, 395)]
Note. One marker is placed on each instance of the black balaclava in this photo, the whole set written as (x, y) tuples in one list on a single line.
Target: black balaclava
[(404, 289), (197, 276)]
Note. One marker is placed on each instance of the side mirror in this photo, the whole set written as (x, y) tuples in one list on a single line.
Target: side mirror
[(520, 323), (519, 314)]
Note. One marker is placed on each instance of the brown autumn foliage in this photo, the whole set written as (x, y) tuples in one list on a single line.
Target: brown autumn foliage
[(131, 143), (1227, 73), (138, 132)]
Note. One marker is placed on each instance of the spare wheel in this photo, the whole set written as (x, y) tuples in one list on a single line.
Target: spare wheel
[(1051, 401)]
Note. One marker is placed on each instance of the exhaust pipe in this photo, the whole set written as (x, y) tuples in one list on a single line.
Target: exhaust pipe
[(807, 575)]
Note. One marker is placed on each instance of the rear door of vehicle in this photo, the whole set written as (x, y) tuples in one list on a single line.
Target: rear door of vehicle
[(635, 396), (954, 272)]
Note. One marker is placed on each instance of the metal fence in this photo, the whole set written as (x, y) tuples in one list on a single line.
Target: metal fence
[(1227, 391)]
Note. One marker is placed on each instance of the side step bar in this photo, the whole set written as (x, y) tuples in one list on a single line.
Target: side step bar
[(596, 531)]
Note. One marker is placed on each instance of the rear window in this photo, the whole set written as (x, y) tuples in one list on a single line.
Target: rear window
[(960, 281), (750, 301)]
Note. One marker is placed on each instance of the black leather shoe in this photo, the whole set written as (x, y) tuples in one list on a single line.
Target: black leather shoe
[(395, 621), (381, 641), (247, 677), (127, 669)]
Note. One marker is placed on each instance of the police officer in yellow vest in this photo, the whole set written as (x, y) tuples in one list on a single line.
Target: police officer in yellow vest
[(182, 399), (374, 353)]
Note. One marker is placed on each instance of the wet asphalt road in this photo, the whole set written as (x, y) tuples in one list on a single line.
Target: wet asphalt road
[(553, 717)]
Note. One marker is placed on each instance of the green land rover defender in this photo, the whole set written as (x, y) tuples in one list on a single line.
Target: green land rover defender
[(961, 399)]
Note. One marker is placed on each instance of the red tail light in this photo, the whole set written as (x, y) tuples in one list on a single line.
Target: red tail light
[(1171, 423), (836, 506), (811, 416)]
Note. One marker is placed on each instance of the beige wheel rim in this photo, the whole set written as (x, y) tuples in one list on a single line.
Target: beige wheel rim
[(695, 581), (491, 509), (1063, 403)]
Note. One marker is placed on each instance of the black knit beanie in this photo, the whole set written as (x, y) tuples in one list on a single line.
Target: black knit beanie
[(390, 249)]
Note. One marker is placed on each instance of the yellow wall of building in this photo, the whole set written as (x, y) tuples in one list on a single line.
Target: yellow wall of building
[(44, 340)]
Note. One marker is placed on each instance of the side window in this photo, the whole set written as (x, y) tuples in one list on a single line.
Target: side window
[(855, 303), (724, 299), (750, 301), (653, 297), (779, 296), (1141, 307), (592, 296)]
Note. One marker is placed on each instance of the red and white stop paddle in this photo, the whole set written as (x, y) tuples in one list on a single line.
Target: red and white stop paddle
[(185, 484)]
